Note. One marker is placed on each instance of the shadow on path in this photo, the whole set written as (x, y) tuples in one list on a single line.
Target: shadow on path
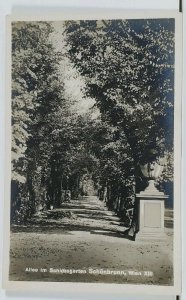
[(87, 214)]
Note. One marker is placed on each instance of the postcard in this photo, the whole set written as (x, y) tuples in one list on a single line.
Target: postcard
[(93, 152)]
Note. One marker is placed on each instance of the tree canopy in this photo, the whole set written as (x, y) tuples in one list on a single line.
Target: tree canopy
[(128, 69)]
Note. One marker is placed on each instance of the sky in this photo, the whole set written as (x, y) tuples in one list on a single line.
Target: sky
[(73, 82)]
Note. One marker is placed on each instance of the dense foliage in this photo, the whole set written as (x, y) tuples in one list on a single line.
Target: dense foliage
[(128, 68), (37, 94)]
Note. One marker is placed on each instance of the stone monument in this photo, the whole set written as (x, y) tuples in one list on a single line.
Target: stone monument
[(151, 205)]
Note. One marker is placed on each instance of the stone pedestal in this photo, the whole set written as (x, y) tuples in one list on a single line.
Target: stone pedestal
[(151, 206)]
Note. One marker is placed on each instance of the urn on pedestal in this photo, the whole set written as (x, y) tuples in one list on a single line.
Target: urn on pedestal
[(151, 205)]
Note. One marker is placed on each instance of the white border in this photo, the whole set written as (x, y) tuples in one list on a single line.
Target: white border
[(84, 288)]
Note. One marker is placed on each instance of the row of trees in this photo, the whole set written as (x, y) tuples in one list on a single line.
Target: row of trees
[(44, 131), (128, 68)]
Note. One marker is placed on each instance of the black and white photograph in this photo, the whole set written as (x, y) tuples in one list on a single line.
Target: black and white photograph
[(92, 192)]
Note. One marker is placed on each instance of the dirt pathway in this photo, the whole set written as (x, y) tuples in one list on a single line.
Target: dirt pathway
[(85, 214), (83, 241)]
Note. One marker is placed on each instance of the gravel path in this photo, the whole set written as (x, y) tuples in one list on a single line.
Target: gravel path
[(84, 242)]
